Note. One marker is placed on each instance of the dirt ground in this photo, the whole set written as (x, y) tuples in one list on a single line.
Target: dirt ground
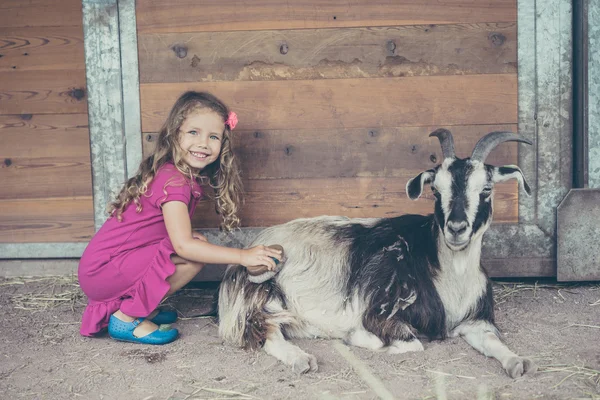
[(44, 357)]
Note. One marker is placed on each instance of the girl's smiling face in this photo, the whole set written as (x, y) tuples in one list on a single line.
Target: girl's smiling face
[(200, 138)]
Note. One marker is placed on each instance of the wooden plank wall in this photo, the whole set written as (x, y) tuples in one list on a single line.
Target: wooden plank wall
[(336, 100), (45, 169)]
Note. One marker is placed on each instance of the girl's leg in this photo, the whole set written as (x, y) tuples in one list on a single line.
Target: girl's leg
[(185, 271)]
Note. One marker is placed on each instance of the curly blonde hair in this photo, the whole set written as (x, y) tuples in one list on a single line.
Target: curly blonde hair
[(223, 175)]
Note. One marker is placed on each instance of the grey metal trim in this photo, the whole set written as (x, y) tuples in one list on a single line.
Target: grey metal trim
[(545, 70), (239, 238), (593, 94), (132, 122), (42, 250), (527, 100), (577, 236), (105, 102)]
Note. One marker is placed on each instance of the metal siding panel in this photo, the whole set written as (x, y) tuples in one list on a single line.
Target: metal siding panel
[(131, 87), (105, 103), (594, 94)]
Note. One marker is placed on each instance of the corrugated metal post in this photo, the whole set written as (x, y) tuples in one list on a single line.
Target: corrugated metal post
[(105, 101), (578, 215), (593, 94), (130, 79), (114, 107)]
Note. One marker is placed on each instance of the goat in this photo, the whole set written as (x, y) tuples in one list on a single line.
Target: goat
[(382, 283)]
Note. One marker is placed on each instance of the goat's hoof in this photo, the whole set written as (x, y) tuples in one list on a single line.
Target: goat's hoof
[(399, 346), (305, 363), (518, 366)]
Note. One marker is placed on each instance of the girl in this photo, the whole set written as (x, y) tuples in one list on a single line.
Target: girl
[(146, 250)]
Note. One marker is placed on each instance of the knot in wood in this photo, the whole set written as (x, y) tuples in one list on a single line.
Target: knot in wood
[(497, 39), (283, 49), (7, 162), (391, 47), (77, 93), (433, 158), (180, 51)]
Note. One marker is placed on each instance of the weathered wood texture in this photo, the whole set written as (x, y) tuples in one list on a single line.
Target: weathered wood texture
[(45, 48), (207, 15), (67, 219), (271, 202), (328, 53), (346, 153), (350, 103), (35, 13), (45, 166), (44, 156), (354, 172), (43, 92), (341, 113)]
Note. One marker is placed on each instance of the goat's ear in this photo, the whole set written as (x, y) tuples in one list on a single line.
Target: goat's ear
[(414, 187), (507, 172)]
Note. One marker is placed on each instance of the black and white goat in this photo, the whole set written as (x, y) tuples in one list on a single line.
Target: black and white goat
[(381, 283)]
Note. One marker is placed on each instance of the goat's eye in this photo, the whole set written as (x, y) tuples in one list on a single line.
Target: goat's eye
[(486, 192)]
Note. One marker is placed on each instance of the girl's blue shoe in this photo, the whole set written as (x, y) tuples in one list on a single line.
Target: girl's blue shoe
[(123, 331), (164, 317)]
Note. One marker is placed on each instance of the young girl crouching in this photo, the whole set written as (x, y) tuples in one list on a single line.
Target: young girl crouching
[(146, 250)]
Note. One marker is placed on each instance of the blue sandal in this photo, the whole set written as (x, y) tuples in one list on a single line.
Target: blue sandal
[(123, 331), (164, 317)]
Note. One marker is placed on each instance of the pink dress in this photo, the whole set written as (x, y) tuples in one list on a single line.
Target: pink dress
[(126, 264)]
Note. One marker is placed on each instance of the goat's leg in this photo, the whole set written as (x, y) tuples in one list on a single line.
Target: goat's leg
[(405, 346), (289, 354), (363, 338), (483, 336)]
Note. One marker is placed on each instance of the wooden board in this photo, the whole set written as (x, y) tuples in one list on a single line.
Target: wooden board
[(45, 156), (41, 135), (207, 15), (20, 13), (47, 92), (270, 202), (328, 53), (386, 152), (46, 220), (47, 48), (350, 103)]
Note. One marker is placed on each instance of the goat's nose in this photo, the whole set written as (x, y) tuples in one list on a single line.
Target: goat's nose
[(457, 227)]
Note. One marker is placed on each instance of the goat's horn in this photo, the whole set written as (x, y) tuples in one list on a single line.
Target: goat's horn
[(486, 144), (446, 140)]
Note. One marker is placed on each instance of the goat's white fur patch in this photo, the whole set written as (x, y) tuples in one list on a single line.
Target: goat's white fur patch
[(460, 282)]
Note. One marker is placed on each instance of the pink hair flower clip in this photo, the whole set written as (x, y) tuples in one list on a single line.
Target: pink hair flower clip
[(232, 120)]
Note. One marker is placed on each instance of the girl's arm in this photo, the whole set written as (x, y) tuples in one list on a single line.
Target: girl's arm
[(179, 228)]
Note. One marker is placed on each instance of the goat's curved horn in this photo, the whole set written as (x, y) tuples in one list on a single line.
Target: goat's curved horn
[(446, 140), (486, 144)]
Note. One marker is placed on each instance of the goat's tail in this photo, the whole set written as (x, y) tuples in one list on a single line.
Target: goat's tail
[(249, 311)]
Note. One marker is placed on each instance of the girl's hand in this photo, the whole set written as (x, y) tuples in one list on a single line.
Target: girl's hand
[(259, 255)]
